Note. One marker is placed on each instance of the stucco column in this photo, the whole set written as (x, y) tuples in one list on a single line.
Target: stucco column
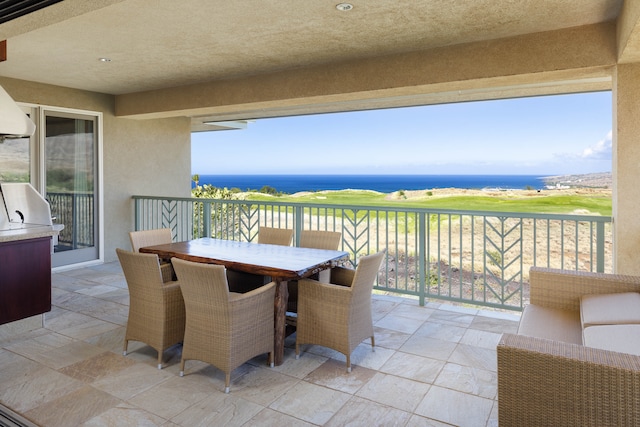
[(626, 169)]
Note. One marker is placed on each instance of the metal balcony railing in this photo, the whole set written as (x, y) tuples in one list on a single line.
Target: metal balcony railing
[(474, 257)]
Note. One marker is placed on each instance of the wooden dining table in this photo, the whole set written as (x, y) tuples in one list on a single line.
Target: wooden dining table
[(281, 263)]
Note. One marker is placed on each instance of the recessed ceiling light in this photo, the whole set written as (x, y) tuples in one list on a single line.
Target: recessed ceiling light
[(105, 60), (343, 7)]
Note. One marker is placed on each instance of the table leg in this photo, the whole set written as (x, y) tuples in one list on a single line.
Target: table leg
[(280, 310)]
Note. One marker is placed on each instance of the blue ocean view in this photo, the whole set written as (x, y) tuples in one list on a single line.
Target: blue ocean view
[(382, 183)]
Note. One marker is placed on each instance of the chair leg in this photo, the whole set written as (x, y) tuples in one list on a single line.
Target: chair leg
[(373, 343), (227, 382), (159, 360), (297, 351), (182, 367), (270, 359), (348, 363), (124, 348)]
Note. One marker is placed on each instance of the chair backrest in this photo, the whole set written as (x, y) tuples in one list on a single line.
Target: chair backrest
[(205, 291), (366, 273), (318, 239), (275, 236), (143, 275), (142, 238)]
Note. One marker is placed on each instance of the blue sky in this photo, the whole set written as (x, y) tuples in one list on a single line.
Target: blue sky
[(549, 135)]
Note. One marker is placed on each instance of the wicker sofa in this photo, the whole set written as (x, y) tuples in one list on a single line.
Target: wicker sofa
[(548, 377)]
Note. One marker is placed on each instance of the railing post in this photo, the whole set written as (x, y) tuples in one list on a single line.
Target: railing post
[(298, 220), (421, 253), (206, 219), (600, 247)]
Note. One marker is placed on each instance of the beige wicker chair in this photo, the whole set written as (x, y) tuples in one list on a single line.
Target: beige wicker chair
[(275, 236), (316, 239), (338, 315), (555, 383), (223, 329), (160, 236), (156, 308)]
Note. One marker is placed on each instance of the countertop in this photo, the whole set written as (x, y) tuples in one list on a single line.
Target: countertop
[(29, 231)]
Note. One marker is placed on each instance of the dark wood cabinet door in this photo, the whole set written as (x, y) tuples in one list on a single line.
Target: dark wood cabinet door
[(25, 278)]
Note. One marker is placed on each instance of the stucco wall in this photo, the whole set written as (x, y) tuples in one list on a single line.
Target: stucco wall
[(145, 157)]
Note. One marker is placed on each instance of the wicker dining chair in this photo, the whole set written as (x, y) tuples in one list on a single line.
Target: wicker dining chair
[(140, 239), (156, 308), (224, 329), (275, 236), (316, 239), (338, 314)]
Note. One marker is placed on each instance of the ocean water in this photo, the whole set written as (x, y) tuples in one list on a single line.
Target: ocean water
[(383, 183)]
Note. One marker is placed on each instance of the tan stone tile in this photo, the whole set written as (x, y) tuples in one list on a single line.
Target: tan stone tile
[(400, 393), (455, 408), (310, 402), (454, 317), (429, 347), (497, 325), (467, 379), (441, 331), (171, 397), (367, 357), (15, 368), (418, 421), (412, 311), (87, 328), (380, 308), (414, 367), (399, 323), (48, 350), (218, 409), (299, 368), (38, 386), (125, 415), (97, 290), (270, 418), (108, 311), (131, 381), (367, 413), (73, 409), (96, 367), (388, 338), (113, 340), (482, 358), (262, 385), (482, 339), (332, 374)]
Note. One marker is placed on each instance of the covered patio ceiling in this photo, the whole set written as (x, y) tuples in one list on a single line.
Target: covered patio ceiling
[(238, 60)]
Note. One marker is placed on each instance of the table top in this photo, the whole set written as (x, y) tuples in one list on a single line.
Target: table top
[(279, 262)]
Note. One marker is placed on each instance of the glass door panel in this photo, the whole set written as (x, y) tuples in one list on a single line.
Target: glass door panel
[(70, 175)]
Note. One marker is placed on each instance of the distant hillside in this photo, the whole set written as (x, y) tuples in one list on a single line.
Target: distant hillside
[(591, 180)]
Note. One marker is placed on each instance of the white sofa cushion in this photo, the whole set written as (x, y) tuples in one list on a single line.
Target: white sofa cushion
[(610, 309), (551, 324), (620, 338)]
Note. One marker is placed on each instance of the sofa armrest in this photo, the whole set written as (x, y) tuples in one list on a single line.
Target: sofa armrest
[(544, 382), (562, 289)]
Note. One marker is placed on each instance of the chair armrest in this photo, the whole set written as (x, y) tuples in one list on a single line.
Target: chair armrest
[(323, 296), (342, 276), (544, 382), (562, 289)]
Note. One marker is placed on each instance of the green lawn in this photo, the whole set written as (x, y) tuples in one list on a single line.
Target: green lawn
[(539, 203)]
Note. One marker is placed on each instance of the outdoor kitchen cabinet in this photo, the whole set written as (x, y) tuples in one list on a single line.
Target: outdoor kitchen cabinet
[(25, 278)]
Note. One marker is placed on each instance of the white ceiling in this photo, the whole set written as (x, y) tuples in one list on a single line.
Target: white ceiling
[(155, 44)]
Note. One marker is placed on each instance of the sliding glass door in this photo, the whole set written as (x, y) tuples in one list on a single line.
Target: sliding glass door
[(70, 163)]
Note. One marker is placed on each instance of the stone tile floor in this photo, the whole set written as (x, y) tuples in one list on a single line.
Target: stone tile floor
[(432, 366)]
